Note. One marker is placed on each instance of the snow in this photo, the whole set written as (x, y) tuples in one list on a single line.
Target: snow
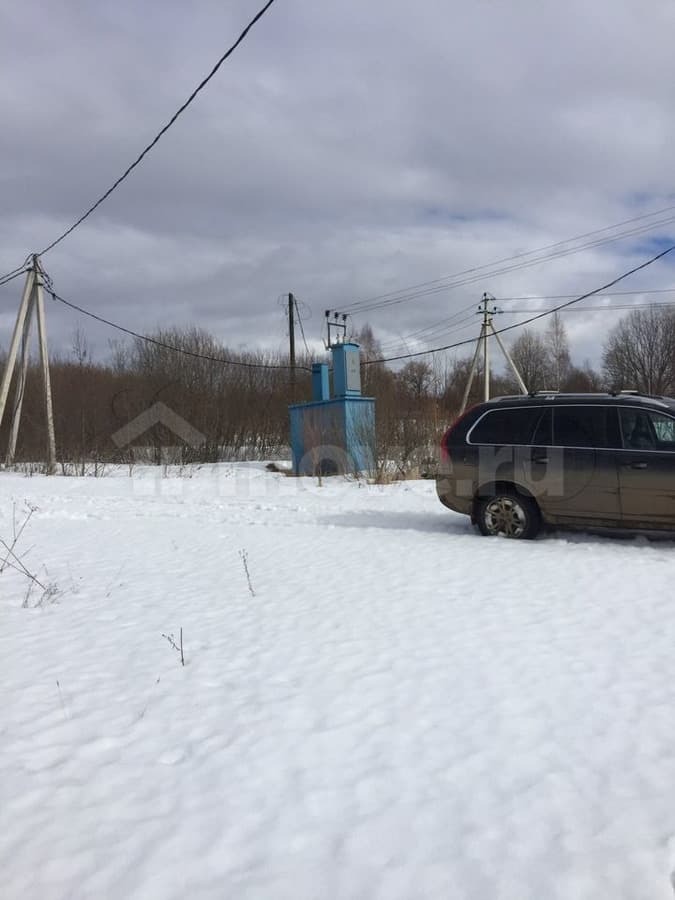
[(401, 709)]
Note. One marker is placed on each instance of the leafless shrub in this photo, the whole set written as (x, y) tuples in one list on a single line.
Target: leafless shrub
[(66, 714), (176, 646), (243, 555), (12, 560)]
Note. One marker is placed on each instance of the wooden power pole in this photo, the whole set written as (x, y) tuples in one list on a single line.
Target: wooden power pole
[(291, 338), (32, 303)]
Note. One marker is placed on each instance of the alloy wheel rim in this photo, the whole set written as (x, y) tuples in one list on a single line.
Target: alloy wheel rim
[(505, 516)]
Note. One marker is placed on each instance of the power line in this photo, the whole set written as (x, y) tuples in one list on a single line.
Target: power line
[(481, 275), (150, 340), (10, 276), (620, 306), (162, 132), (473, 279), (534, 298), (15, 273), (573, 309), (444, 325), (444, 328), (558, 244), (445, 322), (431, 333), (158, 343), (533, 318)]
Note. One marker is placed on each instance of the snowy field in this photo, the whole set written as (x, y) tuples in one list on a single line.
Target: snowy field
[(394, 709)]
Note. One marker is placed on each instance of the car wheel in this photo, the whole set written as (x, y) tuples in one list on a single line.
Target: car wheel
[(509, 515)]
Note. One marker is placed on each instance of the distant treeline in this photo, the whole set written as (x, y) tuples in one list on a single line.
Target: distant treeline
[(242, 411)]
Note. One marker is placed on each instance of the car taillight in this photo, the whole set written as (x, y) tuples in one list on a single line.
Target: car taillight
[(445, 449), (445, 440)]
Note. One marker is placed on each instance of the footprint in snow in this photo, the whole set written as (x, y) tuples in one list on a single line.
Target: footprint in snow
[(172, 757)]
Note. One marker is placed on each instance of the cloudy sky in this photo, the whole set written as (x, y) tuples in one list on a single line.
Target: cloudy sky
[(347, 150)]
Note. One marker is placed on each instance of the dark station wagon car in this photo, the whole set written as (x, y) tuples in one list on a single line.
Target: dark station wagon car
[(515, 464)]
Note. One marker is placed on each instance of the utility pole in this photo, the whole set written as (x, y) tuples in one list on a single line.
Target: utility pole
[(487, 319), (291, 337), (32, 301), (487, 330)]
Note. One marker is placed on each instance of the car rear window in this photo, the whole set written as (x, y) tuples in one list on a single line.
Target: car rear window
[(579, 426), (512, 425)]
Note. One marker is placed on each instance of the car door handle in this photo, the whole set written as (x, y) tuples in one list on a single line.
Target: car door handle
[(540, 459), (635, 465)]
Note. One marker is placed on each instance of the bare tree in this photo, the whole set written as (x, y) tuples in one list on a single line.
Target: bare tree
[(371, 348), (640, 352), (417, 379), (80, 348), (583, 379), (531, 356), (452, 383), (555, 341)]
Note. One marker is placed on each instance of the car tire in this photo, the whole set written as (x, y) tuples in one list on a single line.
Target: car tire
[(508, 514)]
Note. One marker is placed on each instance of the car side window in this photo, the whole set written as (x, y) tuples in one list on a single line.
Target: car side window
[(511, 425), (580, 426), (543, 433), (643, 429), (613, 428), (664, 427)]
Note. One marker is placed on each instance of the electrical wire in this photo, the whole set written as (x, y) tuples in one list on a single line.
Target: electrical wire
[(455, 319), (493, 273), (573, 309), (533, 318), (606, 308), (157, 343), (223, 361), (415, 288), (431, 333), (536, 297), (162, 132), (15, 273), (481, 276), (11, 276), (443, 326), (452, 325), (440, 334)]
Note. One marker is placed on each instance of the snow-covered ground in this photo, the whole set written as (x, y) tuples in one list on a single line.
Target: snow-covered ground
[(401, 709)]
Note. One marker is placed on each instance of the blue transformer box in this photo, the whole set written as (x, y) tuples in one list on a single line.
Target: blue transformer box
[(334, 435)]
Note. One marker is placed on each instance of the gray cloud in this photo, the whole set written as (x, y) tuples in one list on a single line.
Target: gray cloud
[(344, 151)]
